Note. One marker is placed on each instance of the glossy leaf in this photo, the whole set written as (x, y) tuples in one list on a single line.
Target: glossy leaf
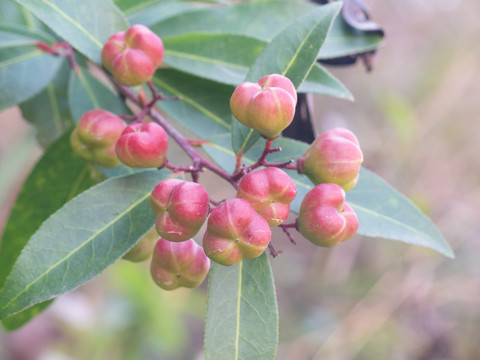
[(204, 109), (291, 53), (266, 19), (242, 314), (81, 240), (148, 13), (85, 92), (75, 22), (226, 58), (13, 13), (24, 69), (56, 178), (16, 321), (48, 111), (382, 210)]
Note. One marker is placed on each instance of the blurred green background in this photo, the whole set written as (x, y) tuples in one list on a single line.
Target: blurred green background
[(416, 116)]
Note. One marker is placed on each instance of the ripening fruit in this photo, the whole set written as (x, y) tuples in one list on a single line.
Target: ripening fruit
[(142, 145), (270, 191), (181, 207), (95, 136), (177, 265), (325, 218), (267, 106), (133, 56), (334, 157), (235, 231), (143, 249)]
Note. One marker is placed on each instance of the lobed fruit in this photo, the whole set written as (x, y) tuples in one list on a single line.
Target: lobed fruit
[(95, 136), (267, 106), (235, 231), (133, 56), (181, 207), (334, 157), (270, 191), (325, 218), (142, 145), (177, 265), (143, 249)]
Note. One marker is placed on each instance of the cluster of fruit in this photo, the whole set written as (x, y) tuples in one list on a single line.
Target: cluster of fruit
[(238, 228)]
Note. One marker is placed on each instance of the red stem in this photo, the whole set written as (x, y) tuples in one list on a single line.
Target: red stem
[(198, 162)]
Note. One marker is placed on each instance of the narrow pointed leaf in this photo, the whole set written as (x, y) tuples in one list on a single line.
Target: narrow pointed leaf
[(16, 321), (24, 69), (382, 211), (204, 106), (148, 13), (226, 58), (242, 314), (85, 92), (81, 240), (48, 111), (85, 24), (291, 53)]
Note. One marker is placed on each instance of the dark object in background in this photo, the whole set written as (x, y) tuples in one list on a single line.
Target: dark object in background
[(356, 15)]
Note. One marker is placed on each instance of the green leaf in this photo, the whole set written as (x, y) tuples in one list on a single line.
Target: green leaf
[(152, 12), (13, 13), (260, 19), (24, 69), (56, 178), (75, 21), (48, 111), (85, 92), (382, 211), (343, 40), (16, 321), (242, 314), (226, 58), (204, 107), (321, 81), (81, 240), (291, 53)]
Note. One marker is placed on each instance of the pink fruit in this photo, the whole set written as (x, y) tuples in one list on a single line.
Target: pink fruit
[(325, 218), (133, 56), (142, 145), (181, 207), (270, 191), (334, 157), (95, 136), (235, 232), (177, 265), (267, 106)]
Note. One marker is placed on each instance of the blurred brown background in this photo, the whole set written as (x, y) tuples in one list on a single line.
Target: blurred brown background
[(416, 116)]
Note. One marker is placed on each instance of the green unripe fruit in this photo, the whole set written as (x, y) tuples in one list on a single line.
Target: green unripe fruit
[(143, 249)]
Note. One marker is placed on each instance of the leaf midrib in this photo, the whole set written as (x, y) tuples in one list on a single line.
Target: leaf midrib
[(91, 238)]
